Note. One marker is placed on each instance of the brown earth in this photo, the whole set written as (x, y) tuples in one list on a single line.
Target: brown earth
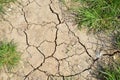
[(52, 47)]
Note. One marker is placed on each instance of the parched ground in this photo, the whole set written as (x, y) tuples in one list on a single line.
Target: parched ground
[(52, 47)]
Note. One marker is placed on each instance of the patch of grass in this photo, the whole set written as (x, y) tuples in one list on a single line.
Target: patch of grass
[(107, 68), (109, 72), (3, 3), (9, 56), (98, 15)]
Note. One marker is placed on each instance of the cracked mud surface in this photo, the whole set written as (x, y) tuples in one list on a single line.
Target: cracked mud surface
[(52, 47)]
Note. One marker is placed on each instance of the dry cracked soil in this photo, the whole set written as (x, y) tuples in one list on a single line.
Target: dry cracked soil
[(51, 46)]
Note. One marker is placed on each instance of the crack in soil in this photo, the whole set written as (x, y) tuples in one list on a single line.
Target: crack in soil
[(57, 62)]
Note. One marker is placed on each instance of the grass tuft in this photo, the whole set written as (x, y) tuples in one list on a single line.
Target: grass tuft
[(3, 3), (98, 15), (9, 56), (110, 72)]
